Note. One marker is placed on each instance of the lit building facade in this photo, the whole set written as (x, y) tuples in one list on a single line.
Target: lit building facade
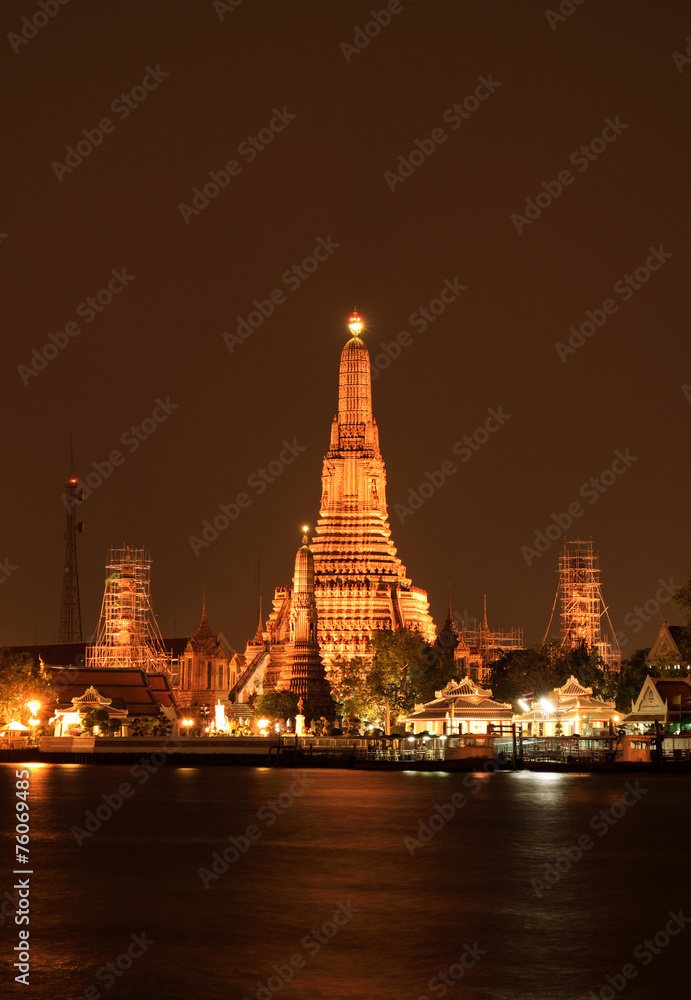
[(461, 708), (569, 710), (361, 584)]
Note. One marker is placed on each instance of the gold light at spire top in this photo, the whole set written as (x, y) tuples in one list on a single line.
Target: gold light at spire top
[(355, 324)]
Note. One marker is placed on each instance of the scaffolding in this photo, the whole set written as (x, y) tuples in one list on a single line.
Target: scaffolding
[(582, 606), (489, 645), (127, 635)]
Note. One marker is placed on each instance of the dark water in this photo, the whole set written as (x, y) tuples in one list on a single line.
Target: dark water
[(338, 849)]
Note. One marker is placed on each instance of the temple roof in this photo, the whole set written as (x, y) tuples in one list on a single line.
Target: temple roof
[(573, 687), (204, 639), (141, 692)]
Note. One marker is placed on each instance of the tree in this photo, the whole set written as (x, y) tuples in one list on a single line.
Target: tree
[(521, 671), (21, 681), (276, 705), (348, 687), (403, 672), (682, 599)]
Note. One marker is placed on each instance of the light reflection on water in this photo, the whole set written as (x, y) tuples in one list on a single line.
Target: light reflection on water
[(342, 842)]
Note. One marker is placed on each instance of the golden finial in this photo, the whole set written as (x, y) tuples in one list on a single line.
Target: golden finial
[(355, 324)]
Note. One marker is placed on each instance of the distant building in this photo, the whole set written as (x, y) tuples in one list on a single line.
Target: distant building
[(568, 710), (661, 699), (667, 646), (206, 671), (462, 707), (475, 650)]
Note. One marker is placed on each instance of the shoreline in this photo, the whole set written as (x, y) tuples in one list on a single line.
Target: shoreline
[(340, 761)]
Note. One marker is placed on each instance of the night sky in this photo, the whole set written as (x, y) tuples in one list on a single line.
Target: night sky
[(342, 121)]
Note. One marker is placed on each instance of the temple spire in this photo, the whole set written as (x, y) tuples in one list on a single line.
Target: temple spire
[(260, 627), (355, 381), (484, 616)]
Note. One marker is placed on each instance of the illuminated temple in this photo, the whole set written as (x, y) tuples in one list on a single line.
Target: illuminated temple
[(350, 582), (361, 584)]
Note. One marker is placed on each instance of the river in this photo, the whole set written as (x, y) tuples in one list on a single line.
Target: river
[(367, 886)]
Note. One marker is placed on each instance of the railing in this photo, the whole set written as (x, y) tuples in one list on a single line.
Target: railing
[(404, 753)]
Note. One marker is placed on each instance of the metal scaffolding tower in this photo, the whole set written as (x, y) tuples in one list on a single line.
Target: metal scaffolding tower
[(128, 634), (70, 610), (582, 605)]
